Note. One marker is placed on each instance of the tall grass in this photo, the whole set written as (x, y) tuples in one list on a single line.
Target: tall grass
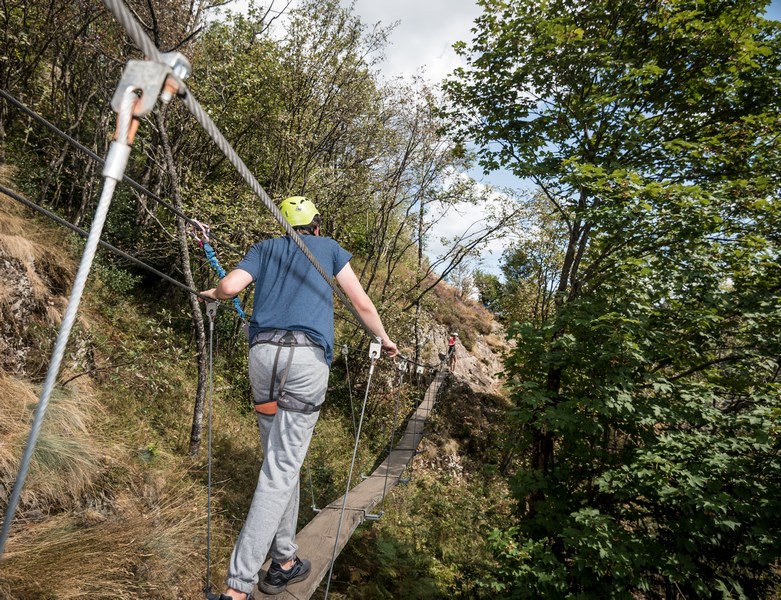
[(133, 549), (67, 457)]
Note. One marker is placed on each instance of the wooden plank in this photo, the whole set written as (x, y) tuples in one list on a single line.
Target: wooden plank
[(317, 538)]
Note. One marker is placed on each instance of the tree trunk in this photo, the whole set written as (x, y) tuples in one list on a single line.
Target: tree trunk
[(197, 316)]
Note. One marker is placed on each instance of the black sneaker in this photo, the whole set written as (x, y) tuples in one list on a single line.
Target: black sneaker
[(277, 578)]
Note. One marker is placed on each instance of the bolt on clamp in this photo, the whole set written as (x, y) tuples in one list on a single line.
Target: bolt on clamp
[(149, 79)]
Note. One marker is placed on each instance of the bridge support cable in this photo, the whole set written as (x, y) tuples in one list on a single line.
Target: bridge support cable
[(116, 161), (391, 443), (345, 352), (374, 354), (137, 34), (125, 179), (211, 313)]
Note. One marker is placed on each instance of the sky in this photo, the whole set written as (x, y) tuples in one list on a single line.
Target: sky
[(422, 43)]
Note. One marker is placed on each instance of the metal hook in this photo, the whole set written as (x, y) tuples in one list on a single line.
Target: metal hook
[(196, 225)]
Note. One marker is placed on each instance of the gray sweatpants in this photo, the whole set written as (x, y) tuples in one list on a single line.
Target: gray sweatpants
[(270, 526)]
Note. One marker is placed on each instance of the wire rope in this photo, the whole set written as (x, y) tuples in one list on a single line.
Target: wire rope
[(113, 174), (211, 311), (106, 245), (132, 183), (137, 34), (350, 475), (345, 352), (118, 152)]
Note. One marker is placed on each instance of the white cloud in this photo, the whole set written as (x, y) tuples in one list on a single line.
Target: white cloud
[(468, 221), (424, 36)]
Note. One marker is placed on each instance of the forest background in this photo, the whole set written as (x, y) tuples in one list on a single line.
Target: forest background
[(640, 283)]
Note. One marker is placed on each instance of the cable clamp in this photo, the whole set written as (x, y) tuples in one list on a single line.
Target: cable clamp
[(211, 309), (152, 80), (146, 80), (375, 347), (403, 364)]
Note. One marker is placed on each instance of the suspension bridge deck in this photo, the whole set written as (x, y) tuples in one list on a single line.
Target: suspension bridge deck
[(317, 539)]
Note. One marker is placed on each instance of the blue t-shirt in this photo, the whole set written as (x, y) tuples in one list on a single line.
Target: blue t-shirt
[(289, 292)]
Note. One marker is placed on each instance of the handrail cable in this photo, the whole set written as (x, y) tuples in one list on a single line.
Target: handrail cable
[(211, 312), (76, 229), (142, 40), (345, 352), (132, 183), (392, 441), (374, 353)]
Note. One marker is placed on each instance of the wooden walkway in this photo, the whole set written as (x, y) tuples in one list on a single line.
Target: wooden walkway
[(316, 540)]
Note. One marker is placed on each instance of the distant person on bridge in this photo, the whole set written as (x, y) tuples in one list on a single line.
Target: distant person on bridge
[(451, 351), (291, 347)]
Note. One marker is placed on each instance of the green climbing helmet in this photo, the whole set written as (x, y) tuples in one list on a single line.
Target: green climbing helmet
[(298, 211)]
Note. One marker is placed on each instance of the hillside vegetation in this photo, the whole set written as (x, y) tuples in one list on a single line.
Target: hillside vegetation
[(113, 505), (637, 317)]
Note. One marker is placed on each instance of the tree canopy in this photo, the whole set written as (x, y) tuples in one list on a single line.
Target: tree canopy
[(649, 396)]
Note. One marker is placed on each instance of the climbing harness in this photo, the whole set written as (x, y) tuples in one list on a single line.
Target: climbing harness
[(201, 234), (282, 339)]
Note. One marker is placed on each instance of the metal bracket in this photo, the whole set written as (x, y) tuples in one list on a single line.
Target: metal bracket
[(375, 347), (211, 309), (371, 517), (419, 369), (141, 76), (403, 364), (149, 78)]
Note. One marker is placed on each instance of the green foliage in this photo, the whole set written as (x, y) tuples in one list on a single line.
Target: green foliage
[(118, 279), (489, 288), (646, 397)]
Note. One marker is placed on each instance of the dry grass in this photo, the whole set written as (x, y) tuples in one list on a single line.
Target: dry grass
[(44, 257), (67, 458), (95, 523), (37, 270), (96, 519), (140, 548)]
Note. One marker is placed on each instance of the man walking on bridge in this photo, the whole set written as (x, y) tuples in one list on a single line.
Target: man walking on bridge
[(291, 348)]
